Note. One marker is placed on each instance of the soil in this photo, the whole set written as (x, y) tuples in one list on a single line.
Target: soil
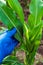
[(40, 63), (40, 50)]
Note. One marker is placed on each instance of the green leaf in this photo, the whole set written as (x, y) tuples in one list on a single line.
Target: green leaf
[(42, 23), (31, 21), (37, 32), (8, 17), (26, 33), (36, 9), (35, 17), (12, 60), (35, 26), (15, 5)]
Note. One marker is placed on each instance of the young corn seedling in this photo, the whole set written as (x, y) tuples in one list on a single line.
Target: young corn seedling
[(11, 14)]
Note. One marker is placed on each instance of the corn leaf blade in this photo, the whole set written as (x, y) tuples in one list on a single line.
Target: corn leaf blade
[(15, 5), (9, 20)]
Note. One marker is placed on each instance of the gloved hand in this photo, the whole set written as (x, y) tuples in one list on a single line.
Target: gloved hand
[(7, 43)]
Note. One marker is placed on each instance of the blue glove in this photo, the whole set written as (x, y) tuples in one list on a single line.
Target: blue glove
[(7, 43)]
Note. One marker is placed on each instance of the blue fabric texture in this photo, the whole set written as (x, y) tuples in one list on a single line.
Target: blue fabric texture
[(7, 43)]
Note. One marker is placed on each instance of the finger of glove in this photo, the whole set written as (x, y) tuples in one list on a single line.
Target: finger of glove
[(1, 58), (12, 46), (15, 43), (12, 32)]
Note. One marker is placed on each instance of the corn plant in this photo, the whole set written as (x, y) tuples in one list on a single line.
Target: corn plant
[(11, 14)]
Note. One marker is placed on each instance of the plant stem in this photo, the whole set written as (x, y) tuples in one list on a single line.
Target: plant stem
[(29, 59)]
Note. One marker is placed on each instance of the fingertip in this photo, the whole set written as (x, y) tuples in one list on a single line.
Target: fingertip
[(12, 32), (16, 42)]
